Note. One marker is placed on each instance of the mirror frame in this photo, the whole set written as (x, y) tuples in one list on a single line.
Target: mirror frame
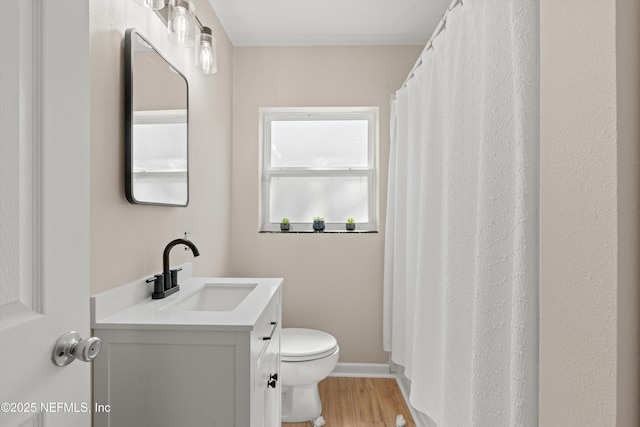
[(129, 112)]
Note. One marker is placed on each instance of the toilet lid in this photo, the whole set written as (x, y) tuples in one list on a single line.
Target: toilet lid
[(297, 344)]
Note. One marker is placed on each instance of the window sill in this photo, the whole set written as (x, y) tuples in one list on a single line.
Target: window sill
[(320, 232)]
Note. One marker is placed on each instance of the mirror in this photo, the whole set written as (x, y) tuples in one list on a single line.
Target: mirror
[(157, 126)]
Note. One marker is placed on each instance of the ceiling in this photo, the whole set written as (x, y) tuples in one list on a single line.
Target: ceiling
[(329, 22)]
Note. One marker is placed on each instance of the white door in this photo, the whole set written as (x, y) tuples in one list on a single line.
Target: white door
[(44, 209)]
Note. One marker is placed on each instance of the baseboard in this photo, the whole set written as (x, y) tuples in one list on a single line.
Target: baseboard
[(365, 370)]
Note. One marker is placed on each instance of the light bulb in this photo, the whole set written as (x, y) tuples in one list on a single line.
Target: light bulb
[(206, 56), (180, 25)]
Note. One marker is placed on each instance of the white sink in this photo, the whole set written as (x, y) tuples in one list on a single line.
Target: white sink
[(203, 303), (213, 297)]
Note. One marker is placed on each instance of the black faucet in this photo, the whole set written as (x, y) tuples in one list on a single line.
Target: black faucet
[(171, 276), (166, 283)]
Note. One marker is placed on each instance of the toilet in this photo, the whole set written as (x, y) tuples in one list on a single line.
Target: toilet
[(307, 357)]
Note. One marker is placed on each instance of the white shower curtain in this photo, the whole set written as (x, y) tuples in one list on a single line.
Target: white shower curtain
[(461, 254)]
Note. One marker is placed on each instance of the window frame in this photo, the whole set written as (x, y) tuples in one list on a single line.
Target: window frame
[(269, 115)]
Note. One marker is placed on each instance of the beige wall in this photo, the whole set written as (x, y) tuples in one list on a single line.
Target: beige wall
[(589, 213), (333, 282), (127, 240)]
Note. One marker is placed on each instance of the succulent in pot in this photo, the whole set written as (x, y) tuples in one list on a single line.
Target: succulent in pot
[(284, 224), (318, 224), (351, 224)]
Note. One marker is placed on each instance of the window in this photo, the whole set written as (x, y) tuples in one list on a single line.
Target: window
[(319, 162)]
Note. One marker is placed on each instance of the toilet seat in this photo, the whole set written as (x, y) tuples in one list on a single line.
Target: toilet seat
[(300, 345)]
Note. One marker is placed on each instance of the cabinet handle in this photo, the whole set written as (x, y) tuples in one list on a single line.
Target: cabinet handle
[(272, 380), (273, 330)]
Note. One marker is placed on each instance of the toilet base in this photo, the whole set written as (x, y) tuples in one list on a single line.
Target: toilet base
[(300, 403)]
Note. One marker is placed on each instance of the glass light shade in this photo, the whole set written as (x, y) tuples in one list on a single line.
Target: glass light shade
[(206, 57), (151, 4), (181, 22)]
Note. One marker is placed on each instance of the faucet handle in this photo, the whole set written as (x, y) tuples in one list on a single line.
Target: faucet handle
[(174, 276), (158, 283)]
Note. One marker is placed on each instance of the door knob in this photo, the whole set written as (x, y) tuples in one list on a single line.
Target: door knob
[(71, 346)]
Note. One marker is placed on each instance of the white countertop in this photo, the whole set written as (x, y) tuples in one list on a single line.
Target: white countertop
[(130, 306)]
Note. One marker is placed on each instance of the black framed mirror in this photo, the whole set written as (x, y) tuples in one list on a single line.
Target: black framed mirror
[(157, 126)]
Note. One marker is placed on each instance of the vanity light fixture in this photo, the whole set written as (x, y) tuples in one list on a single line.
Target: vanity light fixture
[(206, 57), (180, 18)]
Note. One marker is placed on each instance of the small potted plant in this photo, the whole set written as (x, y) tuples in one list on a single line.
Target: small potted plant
[(351, 224), (318, 223), (284, 224)]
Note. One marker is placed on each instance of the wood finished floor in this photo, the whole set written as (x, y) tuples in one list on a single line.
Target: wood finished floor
[(360, 402)]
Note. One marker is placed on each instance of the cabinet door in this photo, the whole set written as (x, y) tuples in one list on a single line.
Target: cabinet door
[(272, 390)]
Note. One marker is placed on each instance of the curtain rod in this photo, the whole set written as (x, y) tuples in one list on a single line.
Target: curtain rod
[(442, 25)]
